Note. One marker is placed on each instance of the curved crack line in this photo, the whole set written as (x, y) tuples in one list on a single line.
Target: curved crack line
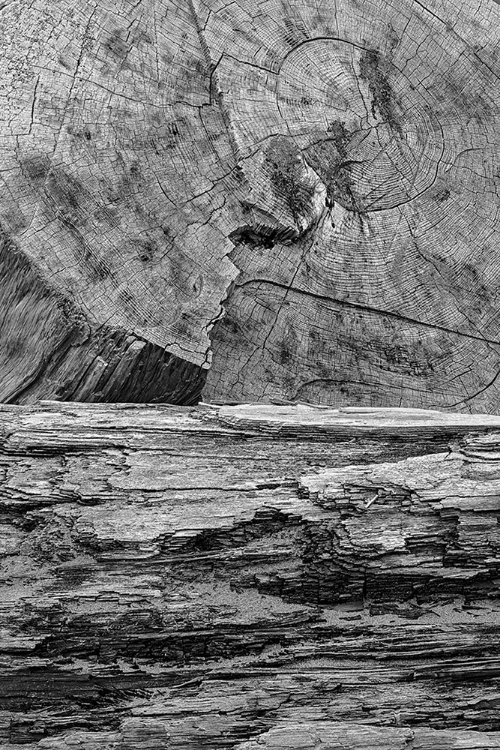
[(297, 395), (321, 39), (368, 308), (288, 288), (478, 393), (434, 265)]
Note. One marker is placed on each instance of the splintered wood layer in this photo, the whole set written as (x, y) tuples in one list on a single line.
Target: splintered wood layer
[(113, 168), (48, 349), (246, 577)]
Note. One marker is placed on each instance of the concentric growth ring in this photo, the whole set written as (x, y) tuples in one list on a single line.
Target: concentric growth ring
[(366, 130)]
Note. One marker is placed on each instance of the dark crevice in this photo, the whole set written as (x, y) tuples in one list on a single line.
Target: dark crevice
[(263, 236), (374, 71)]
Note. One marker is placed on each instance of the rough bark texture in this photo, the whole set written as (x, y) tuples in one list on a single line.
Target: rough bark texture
[(325, 170), (247, 578)]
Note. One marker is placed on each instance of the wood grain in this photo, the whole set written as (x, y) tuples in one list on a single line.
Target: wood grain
[(113, 171), (367, 263), (248, 577), (325, 172)]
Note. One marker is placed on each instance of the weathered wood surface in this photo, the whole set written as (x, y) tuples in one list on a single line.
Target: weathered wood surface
[(386, 291), (336, 160), (248, 577)]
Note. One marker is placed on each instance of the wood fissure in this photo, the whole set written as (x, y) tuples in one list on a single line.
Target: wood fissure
[(248, 576)]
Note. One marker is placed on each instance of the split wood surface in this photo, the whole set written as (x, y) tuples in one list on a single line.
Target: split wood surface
[(325, 172), (248, 577)]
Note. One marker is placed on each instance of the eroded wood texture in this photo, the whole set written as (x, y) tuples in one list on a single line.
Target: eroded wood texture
[(248, 577), (336, 160)]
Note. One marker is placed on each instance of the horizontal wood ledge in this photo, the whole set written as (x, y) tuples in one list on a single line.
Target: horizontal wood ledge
[(247, 577)]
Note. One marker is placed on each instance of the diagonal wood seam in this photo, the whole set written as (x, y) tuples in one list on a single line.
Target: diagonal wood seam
[(215, 93), (214, 82)]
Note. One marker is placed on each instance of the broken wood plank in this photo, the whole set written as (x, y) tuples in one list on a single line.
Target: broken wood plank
[(248, 576)]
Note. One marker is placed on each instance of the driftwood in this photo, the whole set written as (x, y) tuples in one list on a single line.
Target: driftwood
[(324, 170), (248, 577)]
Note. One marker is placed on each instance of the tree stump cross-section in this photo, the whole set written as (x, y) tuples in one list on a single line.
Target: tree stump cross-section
[(289, 199)]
